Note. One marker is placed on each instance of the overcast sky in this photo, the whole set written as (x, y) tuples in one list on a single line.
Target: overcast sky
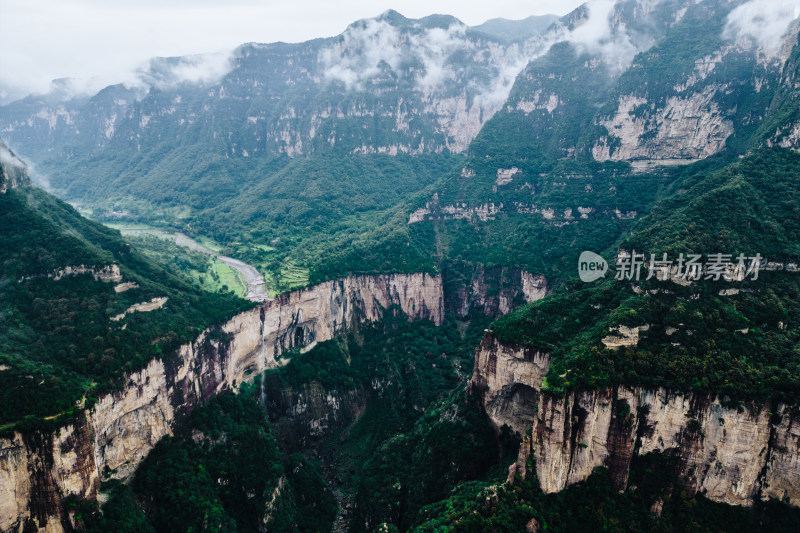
[(45, 39)]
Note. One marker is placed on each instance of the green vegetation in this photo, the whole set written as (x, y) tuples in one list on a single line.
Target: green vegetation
[(594, 505), (222, 471), (57, 341), (739, 345), (285, 217), (196, 268), (422, 455), (425, 360), (420, 435), (453, 442)]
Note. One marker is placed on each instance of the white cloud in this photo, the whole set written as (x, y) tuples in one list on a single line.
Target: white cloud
[(764, 21), (198, 68), (9, 159), (597, 36), (106, 40), (367, 44)]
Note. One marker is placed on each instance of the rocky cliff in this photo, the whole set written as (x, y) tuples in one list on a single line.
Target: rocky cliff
[(415, 86), (304, 416), (13, 171), (492, 291), (729, 454), (38, 472)]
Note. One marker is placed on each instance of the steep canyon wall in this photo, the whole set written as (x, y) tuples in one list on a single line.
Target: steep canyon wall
[(729, 454), (39, 471)]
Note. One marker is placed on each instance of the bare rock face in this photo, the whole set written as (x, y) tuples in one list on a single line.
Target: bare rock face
[(13, 462), (495, 291), (42, 465), (303, 417), (685, 129), (792, 138), (13, 171), (38, 471), (730, 455), (105, 273), (510, 376)]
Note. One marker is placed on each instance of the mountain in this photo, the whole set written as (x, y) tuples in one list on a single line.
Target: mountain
[(565, 165), (386, 85), (247, 144), (13, 171), (513, 30), (288, 152)]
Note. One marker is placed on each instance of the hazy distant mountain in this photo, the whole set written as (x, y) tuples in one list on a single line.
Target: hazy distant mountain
[(513, 30)]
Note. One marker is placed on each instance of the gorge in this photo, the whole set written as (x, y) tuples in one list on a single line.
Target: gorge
[(39, 471)]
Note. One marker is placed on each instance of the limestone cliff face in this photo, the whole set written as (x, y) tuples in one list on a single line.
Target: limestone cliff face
[(302, 418), (730, 455), (414, 87), (494, 291), (689, 117), (686, 128), (105, 273), (509, 376), (37, 472), (433, 210), (13, 171)]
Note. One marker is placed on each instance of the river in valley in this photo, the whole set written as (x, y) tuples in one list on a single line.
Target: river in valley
[(248, 274)]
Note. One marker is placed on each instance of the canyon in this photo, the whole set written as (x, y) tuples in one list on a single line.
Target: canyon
[(40, 471), (731, 454)]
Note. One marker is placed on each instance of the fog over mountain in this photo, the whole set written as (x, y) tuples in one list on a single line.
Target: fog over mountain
[(99, 43)]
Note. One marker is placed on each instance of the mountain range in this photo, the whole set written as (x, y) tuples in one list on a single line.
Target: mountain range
[(417, 194)]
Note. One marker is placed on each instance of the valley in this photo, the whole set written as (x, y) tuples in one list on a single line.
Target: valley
[(336, 285), (248, 278)]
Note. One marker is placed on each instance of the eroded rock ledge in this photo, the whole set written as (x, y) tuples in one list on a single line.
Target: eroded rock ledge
[(730, 455)]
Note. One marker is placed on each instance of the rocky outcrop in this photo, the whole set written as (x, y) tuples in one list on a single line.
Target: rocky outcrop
[(105, 274), (142, 307), (489, 211), (39, 471), (625, 336), (683, 130), (509, 377), (729, 454), (13, 171), (493, 291)]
